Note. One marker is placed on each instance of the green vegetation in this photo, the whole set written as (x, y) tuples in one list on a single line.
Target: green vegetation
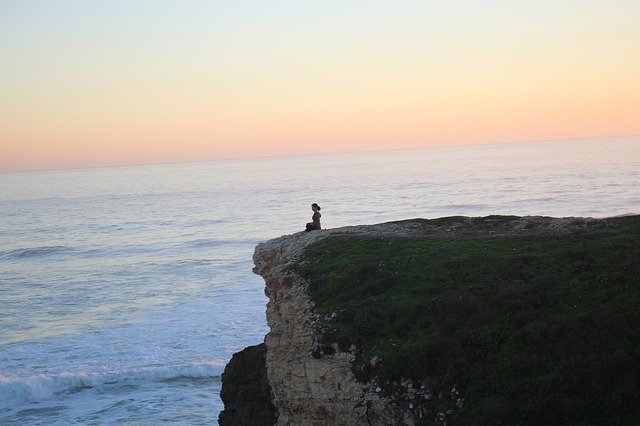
[(529, 329)]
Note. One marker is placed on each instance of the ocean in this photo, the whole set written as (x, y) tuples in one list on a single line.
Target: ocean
[(125, 290)]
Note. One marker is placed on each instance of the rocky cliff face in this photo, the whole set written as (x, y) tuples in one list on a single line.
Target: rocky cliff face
[(310, 384), (314, 384)]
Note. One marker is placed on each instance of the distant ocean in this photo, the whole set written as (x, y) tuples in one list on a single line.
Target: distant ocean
[(124, 291)]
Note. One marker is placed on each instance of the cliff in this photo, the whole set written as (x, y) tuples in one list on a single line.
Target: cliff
[(308, 388), (384, 324)]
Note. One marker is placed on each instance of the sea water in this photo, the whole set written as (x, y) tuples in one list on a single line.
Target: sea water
[(124, 291)]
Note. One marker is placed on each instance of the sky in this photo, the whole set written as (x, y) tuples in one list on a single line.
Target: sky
[(87, 83)]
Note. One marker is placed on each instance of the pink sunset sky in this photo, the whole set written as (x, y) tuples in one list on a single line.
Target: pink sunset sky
[(88, 83)]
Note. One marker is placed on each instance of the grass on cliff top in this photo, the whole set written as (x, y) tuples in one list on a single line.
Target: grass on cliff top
[(528, 328)]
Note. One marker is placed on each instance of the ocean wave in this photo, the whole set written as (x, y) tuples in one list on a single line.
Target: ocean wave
[(124, 250), (212, 242), (41, 387), (204, 222), (194, 262), (48, 251), (34, 252), (459, 207)]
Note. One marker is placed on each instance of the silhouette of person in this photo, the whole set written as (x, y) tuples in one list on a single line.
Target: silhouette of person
[(315, 224)]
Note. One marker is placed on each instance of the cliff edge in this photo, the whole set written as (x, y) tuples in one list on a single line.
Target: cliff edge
[(358, 332)]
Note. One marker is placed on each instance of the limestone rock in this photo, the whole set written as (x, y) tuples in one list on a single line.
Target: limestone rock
[(308, 389)]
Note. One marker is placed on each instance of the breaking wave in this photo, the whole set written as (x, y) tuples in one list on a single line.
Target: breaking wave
[(41, 387)]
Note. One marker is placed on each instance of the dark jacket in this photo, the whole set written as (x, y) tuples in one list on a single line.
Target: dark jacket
[(316, 219)]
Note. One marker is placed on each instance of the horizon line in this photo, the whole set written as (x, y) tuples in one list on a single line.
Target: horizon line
[(267, 157)]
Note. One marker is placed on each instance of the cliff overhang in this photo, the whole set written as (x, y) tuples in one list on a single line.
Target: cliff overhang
[(320, 363)]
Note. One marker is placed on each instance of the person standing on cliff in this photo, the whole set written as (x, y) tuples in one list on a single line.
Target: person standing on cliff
[(315, 218)]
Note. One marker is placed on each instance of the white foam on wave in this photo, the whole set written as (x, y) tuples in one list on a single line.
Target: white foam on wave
[(16, 391)]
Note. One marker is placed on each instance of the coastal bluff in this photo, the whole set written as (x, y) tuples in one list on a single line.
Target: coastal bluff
[(406, 322)]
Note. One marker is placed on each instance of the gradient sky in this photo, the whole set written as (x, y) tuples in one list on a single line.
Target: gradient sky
[(90, 83)]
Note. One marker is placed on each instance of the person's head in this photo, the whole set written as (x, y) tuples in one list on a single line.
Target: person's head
[(315, 207)]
